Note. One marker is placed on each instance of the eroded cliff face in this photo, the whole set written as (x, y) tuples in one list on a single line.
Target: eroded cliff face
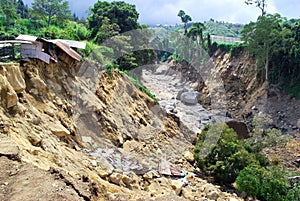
[(70, 134), (247, 96)]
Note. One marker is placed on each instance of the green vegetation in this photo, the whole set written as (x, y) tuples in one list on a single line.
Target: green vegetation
[(123, 16), (233, 48), (184, 19), (214, 27), (49, 10), (231, 160), (134, 79), (267, 184), (274, 42), (227, 158)]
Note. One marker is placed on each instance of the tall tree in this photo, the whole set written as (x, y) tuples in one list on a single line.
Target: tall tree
[(260, 37), (196, 32), (106, 30), (9, 11), (118, 12), (261, 4), (22, 9), (184, 19), (49, 9)]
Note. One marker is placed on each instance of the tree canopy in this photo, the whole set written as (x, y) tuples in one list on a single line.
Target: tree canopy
[(118, 12), (49, 9), (275, 42), (8, 11), (184, 19)]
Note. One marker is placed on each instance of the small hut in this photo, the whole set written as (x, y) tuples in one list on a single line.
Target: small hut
[(47, 50)]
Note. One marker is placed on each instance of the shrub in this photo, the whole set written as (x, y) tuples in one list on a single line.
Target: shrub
[(227, 158), (264, 184), (233, 48)]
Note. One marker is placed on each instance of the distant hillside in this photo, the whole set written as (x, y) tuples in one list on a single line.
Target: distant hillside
[(213, 28), (223, 28)]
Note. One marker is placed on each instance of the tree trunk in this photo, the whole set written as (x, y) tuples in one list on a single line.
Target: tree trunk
[(49, 20), (267, 63)]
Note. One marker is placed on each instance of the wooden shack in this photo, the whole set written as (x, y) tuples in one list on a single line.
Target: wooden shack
[(47, 50)]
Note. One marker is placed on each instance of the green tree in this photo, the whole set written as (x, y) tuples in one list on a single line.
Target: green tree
[(119, 12), (266, 184), (225, 159), (22, 9), (9, 11), (261, 4), (106, 30), (49, 9), (184, 19), (196, 33), (260, 37)]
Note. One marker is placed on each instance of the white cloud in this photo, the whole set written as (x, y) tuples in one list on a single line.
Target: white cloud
[(165, 11)]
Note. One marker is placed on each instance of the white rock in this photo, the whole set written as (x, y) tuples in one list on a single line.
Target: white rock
[(58, 129), (115, 178), (177, 186), (15, 78), (105, 168), (8, 147), (9, 97), (189, 156), (189, 98)]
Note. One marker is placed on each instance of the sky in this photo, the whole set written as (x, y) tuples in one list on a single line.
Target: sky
[(165, 11)]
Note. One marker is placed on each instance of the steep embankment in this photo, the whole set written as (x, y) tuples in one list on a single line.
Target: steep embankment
[(247, 96), (68, 136)]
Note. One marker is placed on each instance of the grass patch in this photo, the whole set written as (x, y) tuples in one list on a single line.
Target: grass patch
[(135, 81)]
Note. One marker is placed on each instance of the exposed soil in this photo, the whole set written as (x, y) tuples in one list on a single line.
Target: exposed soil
[(26, 182)]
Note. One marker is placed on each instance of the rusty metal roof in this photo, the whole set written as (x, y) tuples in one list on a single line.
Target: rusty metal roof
[(64, 45), (67, 49)]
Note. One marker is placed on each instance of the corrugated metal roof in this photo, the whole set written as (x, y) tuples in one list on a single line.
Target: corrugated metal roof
[(15, 42), (67, 49), (71, 43), (27, 38), (64, 45)]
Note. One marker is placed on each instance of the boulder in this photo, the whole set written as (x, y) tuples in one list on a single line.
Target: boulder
[(9, 97), (8, 147), (131, 180), (39, 87), (240, 128), (213, 195), (189, 98), (180, 93), (187, 193), (189, 156), (115, 178), (211, 191), (15, 78), (177, 186), (298, 123), (3, 70), (58, 130), (151, 174), (105, 168)]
